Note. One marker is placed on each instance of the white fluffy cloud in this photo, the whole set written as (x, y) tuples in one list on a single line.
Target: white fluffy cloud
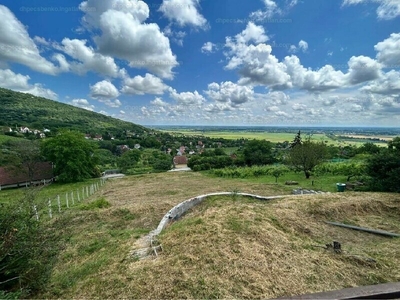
[(149, 84), (82, 103), (19, 82), (111, 103), (175, 36), (158, 102), (105, 92), (387, 9), (251, 55), (85, 58), (208, 47), (187, 98), (256, 64), (363, 69), (17, 46), (271, 9), (326, 78), (123, 34), (389, 51), (183, 12), (277, 98), (303, 46), (230, 93), (389, 84)]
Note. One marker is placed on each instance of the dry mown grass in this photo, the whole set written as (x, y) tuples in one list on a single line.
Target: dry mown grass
[(228, 247)]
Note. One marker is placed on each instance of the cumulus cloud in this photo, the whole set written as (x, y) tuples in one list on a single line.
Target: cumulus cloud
[(149, 84), (389, 51), (256, 64), (82, 103), (85, 58), (326, 78), (277, 98), (299, 106), (388, 84), (271, 9), (183, 12), (187, 98), (20, 83), (387, 9), (230, 93), (122, 33), (158, 102), (103, 90), (16, 45), (208, 47), (111, 103), (217, 107), (303, 46), (175, 36), (363, 69)]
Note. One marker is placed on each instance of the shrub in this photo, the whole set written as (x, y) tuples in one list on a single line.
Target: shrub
[(27, 248), (97, 204)]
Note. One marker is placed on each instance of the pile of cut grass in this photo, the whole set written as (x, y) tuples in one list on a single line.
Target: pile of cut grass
[(227, 247)]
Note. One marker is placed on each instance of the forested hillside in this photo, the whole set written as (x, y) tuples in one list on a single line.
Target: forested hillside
[(20, 109)]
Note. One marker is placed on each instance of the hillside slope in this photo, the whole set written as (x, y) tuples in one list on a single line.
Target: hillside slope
[(20, 109), (228, 247)]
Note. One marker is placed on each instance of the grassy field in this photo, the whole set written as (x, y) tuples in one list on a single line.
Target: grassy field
[(51, 191), (228, 247)]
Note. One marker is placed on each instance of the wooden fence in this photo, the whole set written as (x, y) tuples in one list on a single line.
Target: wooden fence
[(51, 206)]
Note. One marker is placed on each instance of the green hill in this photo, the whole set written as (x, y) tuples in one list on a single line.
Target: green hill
[(20, 109)]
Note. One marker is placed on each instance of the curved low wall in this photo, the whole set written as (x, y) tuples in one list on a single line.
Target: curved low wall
[(180, 209)]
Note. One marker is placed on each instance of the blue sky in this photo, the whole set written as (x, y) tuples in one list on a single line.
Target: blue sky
[(204, 62)]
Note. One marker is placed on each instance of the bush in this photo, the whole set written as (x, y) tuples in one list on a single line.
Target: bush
[(384, 170), (27, 249), (97, 204)]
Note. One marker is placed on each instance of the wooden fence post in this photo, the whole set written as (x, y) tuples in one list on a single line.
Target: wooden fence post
[(66, 199), (77, 192), (72, 197), (36, 212), (50, 212), (59, 204), (83, 193)]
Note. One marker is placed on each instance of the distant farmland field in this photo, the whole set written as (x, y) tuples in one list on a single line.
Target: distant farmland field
[(277, 137)]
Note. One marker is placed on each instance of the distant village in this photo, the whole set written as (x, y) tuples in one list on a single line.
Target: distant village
[(25, 130)]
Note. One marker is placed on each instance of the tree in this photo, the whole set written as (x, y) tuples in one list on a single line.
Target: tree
[(72, 156), (304, 157), (394, 144), (369, 148), (128, 160), (278, 171), (258, 152), (384, 170), (297, 140)]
